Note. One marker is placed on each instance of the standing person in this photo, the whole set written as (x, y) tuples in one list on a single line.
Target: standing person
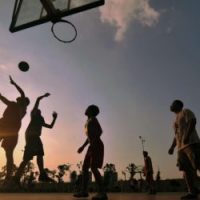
[(94, 156), (34, 146), (148, 172), (188, 145), (10, 125)]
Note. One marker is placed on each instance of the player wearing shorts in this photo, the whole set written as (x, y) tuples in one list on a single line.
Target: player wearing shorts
[(94, 156), (148, 172), (10, 125), (34, 146), (188, 144)]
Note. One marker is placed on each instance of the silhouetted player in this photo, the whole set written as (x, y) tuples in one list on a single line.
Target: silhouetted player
[(148, 172), (188, 144), (94, 156), (34, 146), (10, 124)]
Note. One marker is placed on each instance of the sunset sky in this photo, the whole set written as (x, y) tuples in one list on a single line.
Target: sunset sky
[(132, 58)]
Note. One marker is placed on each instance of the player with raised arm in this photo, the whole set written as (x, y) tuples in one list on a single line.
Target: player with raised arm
[(34, 146), (10, 125)]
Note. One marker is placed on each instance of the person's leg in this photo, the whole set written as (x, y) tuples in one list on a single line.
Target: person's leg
[(9, 163), (43, 175), (97, 157), (152, 185), (20, 170), (83, 191), (40, 160), (148, 183), (190, 178), (98, 179), (9, 144), (85, 179), (189, 172), (40, 163)]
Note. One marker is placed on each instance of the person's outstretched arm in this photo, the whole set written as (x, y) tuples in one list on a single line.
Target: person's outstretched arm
[(4, 99), (38, 100), (17, 86), (53, 121)]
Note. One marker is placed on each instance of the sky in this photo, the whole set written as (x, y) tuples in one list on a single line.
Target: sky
[(132, 58)]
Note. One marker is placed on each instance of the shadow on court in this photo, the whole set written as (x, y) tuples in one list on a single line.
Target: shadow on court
[(63, 196)]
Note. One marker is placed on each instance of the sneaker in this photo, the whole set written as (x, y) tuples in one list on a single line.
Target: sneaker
[(81, 194), (44, 178), (189, 196), (100, 196)]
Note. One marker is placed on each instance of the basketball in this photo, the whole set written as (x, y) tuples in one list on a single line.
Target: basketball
[(23, 66)]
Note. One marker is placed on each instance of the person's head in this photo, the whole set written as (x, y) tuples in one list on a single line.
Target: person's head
[(145, 154), (23, 101), (92, 111), (176, 106)]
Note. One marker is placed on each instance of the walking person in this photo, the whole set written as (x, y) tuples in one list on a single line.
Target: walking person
[(187, 142), (148, 172), (94, 156)]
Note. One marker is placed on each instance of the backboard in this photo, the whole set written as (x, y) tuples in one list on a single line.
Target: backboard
[(29, 13)]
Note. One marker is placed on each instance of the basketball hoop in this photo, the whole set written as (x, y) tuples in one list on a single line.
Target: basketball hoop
[(67, 23), (53, 13), (27, 13)]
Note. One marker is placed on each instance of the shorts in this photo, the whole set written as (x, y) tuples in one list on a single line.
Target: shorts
[(189, 158), (94, 156), (9, 143), (9, 128), (149, 177), (34, 147)]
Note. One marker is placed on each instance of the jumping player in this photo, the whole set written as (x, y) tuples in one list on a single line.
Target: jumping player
[(94, 156), (34, 146), (10, 125)]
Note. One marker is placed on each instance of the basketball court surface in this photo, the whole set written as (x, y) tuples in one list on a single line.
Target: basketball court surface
[(67, 196)]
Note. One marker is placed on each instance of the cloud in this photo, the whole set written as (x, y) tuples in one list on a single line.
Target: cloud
[(120, 13), (2, 67)]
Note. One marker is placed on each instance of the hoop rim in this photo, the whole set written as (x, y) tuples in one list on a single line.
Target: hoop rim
[(66, 22)]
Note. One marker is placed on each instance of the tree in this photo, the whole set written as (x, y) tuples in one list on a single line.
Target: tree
[(132, 170), (28, 171), (61, 172), (3, 171), (124, 174), (110, 175), (73, 177), (158, 178), (51, 173)]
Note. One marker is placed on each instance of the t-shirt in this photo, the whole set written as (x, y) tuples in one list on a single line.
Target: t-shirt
[(93, 129), (11, 121), (12, 112), (181, 126), (148, 168), (35, 126)]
